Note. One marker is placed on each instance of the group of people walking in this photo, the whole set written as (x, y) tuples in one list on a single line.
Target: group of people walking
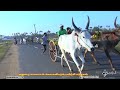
[(44, 43)]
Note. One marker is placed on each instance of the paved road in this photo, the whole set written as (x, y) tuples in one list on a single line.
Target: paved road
[(32, 61)]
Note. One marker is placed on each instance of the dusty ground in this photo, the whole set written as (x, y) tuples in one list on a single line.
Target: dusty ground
[(9, 66)]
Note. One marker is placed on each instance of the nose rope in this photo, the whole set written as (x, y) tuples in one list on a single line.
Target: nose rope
[(78, 41)]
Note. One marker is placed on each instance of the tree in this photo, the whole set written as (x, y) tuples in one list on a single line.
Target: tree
[(35, 28), (118, 25), (1, 37), (105, 30), (95, 29), (40, 32), (90, 29), (100, 26), (48, 32)]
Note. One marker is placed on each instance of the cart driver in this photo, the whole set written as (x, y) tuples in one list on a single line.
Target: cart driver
[(62, 31)]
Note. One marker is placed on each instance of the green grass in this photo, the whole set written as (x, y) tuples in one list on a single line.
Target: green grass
[(4, 46)]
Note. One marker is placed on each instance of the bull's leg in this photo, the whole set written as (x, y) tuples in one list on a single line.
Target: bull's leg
[(82, 59), (93, 56), (62, 60), (25, 41), (63, 52), (110, 60), (75, 60), (85, 53)]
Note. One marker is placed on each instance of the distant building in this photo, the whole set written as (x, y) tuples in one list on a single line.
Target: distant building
[(7, 38)]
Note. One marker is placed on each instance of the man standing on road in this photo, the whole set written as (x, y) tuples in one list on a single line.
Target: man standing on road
[(15, 40), (44, 43)]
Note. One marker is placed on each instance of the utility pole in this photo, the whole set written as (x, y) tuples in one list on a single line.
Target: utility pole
[(35, 28)]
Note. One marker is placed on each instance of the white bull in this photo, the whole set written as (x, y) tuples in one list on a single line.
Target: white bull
[(74, 43)]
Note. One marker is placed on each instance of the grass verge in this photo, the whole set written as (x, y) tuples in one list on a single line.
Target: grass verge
[(4, 47)]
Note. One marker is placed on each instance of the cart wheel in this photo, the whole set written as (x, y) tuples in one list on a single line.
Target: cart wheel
[(52, 51)]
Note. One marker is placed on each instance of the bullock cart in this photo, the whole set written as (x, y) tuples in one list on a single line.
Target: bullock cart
[(54, 50)]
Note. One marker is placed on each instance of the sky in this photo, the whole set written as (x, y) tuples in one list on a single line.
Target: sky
[(23, 21)]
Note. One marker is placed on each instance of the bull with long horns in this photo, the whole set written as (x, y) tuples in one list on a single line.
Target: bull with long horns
[(108, 45), (73, 44)]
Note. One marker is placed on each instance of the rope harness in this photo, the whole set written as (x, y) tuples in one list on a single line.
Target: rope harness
[(81, 39)]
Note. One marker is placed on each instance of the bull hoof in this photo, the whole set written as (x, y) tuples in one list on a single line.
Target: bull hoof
[(71, 70), (79, 71), (63, 65), (94, 62), (85, 59), (98, 63), (113, 69)]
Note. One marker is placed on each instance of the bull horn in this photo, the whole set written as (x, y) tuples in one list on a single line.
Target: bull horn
[(76, 28), (87, 26), (115, 23)]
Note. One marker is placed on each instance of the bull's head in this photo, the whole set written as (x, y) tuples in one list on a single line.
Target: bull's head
[(83, 37)]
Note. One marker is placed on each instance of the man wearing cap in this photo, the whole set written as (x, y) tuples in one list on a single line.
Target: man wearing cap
[(62, 31)]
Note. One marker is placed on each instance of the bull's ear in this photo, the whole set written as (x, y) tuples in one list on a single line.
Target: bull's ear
[(90, 32)]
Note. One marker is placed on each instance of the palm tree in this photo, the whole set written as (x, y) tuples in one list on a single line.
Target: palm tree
[(118, 25), (35, 28)]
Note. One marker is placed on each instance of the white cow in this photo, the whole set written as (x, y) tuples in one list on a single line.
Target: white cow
[(74, 43)]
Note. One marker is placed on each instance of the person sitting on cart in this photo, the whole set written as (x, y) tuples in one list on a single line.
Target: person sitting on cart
[(69, 31), (62, 31)]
